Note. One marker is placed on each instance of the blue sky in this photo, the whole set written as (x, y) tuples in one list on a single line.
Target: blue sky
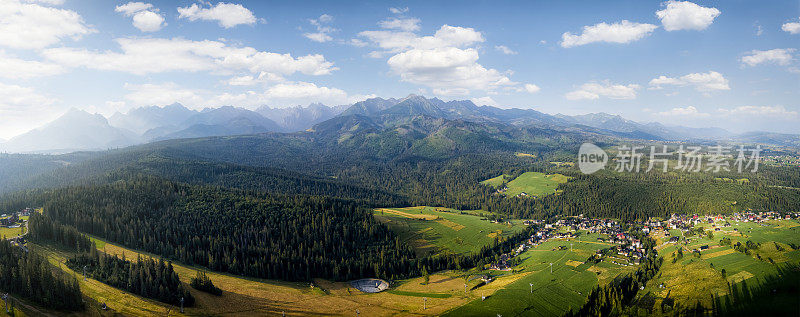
[(732, 64)]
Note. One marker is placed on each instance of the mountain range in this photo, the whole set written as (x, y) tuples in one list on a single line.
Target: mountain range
[(79, 130)]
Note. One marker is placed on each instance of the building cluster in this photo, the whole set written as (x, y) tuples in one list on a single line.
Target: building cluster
[(567, 228), (685, 222), (12, 220), (624, 243)]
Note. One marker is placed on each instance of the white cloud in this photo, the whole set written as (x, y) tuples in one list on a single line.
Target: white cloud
[(48, 2), (145, 17), (358, 42), (31, 26), (148, 21), (446, 62), (485, 101), (595, 90), (446, 69), (685, 15), (154, 55), (689, 111), (620, 32), (17, 103), (318, 37), (249, 80), (15, 68), (398, 10), (704, 82), (227, 15), (131, 8), (531, 88), (762, 111), (323, 31), (279, 95), (403, 24), (780, 56), (446, 36), (505, 50), (791, 27)]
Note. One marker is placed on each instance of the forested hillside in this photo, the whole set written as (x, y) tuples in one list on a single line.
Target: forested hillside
[(256, 234)]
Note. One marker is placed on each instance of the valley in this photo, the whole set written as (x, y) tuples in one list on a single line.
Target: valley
[(460, 218), (405, 159)]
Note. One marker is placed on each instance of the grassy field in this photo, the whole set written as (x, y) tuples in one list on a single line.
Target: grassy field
[(553, 293), (531, 183), (692, 278), (432, 230), (257, 297), (11, 232), (497, 181)]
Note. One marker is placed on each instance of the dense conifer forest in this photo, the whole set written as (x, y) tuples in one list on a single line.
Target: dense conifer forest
[(30, 276), (145, 276)]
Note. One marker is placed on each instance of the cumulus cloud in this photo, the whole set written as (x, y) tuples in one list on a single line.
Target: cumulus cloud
[(32, 26), (764, 111), (446, 62), (704, 82), (227, 15), (155, 55), (620, 32), (446, 36), (780, 56), (12, 67), (685, 15), (145, 17), (132, 7), (323, 30), (403, 24), (531, 88), (505, 50), (485, 101), (595, 90), (279, 95), (446, 69), (688, 111), (791, 27)]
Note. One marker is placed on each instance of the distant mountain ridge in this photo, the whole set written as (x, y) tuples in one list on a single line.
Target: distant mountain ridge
[(300, 118), (78, 130)]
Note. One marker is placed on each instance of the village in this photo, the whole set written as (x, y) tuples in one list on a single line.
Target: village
[(14, 226), (621, 235)]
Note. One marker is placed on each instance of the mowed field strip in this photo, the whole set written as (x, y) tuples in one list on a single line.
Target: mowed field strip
[(441, 230), (243, 296)]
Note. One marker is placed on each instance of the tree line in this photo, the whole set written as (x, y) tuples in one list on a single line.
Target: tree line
[(613, 299), (250, 233), (44, 230), (30, 276), (145, 276)]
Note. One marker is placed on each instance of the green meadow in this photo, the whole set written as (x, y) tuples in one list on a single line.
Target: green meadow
[(443, 230), (695, 278), (531, 183), (554, 293), (497, 181)]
